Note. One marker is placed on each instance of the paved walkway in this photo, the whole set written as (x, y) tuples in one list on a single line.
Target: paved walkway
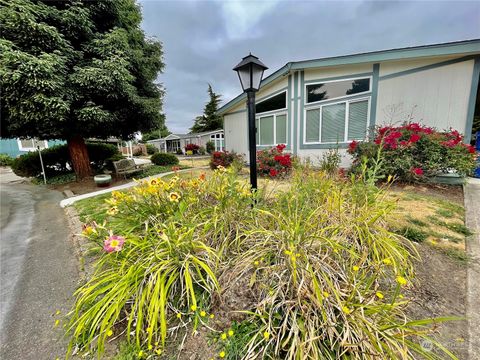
[(38, 271), (472, 221), (73, 199)]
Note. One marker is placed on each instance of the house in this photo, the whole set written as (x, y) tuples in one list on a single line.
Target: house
[(17, 147), (175, 142), (316, 105)]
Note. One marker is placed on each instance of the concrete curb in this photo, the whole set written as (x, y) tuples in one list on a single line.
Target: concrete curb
[(472, 221), (71, 200)]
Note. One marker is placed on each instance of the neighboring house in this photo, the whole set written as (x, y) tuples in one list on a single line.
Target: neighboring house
[(17, 147), (315, 105), (174, 142)]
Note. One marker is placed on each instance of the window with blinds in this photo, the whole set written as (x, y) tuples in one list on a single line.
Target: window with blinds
[(337, 123), (271, 129)]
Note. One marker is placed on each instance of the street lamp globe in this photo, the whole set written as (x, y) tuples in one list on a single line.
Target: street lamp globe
[(250, 72)]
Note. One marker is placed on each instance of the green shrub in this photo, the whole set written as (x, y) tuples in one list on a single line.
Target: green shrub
[(164, 159), (413, 234), (274, 162), (57, 160), (151, 149), (210, 146), (179, 152), (330, 161), (415, 153), (5, 160), (201, 150)]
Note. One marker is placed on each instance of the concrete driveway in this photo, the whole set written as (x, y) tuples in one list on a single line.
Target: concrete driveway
[(38, 270)]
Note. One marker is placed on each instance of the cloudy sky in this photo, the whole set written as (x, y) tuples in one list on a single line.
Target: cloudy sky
[(203, 40)]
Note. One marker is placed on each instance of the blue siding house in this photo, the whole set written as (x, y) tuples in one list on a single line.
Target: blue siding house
[(17, 147)]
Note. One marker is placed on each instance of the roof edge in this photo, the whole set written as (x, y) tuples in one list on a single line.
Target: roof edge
[(449, 48)]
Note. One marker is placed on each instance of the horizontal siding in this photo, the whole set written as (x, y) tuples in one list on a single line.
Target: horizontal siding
[(436, 97), (336, 71), (236, 134)]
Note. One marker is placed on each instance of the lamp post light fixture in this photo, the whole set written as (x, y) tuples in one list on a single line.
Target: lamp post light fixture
[(250, 72)]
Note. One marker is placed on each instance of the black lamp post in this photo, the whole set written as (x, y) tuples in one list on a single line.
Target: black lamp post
[(250, 72)]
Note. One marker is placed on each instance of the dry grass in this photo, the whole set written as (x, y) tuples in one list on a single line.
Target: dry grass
[(195, 162)]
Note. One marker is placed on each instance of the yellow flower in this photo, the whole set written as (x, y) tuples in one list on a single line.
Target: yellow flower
[(140, 353), (356, 268), (156, 344), (325, 294), (387, 261), (379, 294), (223, 336), (401, 296), (153, 182), (174, 197), (266, 335), (288, 252), (256, 263), (57, 322), (109, 332), (390, 177), (193, 307), (149, 329), (222, 354), (179, 316), (401, 280), (230, 333), (346, 310), (112, 211), (150, 347), (212, 316), (57, 312), (158, 351), (203, 313)]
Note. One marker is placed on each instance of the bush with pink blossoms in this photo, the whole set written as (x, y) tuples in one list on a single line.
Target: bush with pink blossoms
[(274, 162), (414, 152)]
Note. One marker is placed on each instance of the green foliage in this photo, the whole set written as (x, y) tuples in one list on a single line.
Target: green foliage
[(225, 159), (164, 159), (210, 120), (57, 160), (151, 149), (161, 132), (413, 234), (5, 160), (415, 153), (55, 180), (210, 147), (323, 269), (77, 69), (155, 170), (330, 161)]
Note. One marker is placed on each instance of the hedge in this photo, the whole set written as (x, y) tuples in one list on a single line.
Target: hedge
[(164, 159)]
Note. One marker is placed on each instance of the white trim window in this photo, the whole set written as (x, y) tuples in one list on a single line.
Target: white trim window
[(272, 129), (219, 141), (338, 122), (318, 92), (31, 144)]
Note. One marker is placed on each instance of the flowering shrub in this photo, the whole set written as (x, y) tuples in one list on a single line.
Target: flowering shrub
[(192, 147), (274, 162), (413, 152), (224, 159)]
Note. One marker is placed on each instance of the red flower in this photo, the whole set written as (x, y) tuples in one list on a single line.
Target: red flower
[(352, 146), (403, 143), (414, 138), (417, 171), (280, 147), (273, 172)]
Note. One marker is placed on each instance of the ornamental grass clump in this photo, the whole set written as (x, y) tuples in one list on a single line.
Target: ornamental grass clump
[(414, 153), (328, 277)]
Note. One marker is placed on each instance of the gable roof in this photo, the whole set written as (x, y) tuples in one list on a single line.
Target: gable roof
[(187, 136), (451, 48)]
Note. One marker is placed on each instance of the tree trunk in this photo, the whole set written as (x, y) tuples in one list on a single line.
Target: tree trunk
[(79, 156)]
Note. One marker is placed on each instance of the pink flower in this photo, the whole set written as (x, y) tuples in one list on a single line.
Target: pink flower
[(352, 146), (281, 147), (414, 138), (113, 243), (417, 171)]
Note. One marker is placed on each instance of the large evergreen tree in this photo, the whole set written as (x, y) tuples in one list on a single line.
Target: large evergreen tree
[(73, 69), (210, 120)]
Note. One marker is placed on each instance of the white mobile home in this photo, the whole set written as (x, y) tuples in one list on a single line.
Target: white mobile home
[(326, 103), (174, 142)]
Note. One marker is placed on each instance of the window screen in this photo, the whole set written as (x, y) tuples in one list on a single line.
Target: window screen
[(357, 120), (281, 129), (333, 123), (266, 131), (312, 126)]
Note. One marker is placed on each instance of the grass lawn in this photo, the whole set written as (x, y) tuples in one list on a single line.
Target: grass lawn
[(195, 162)]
